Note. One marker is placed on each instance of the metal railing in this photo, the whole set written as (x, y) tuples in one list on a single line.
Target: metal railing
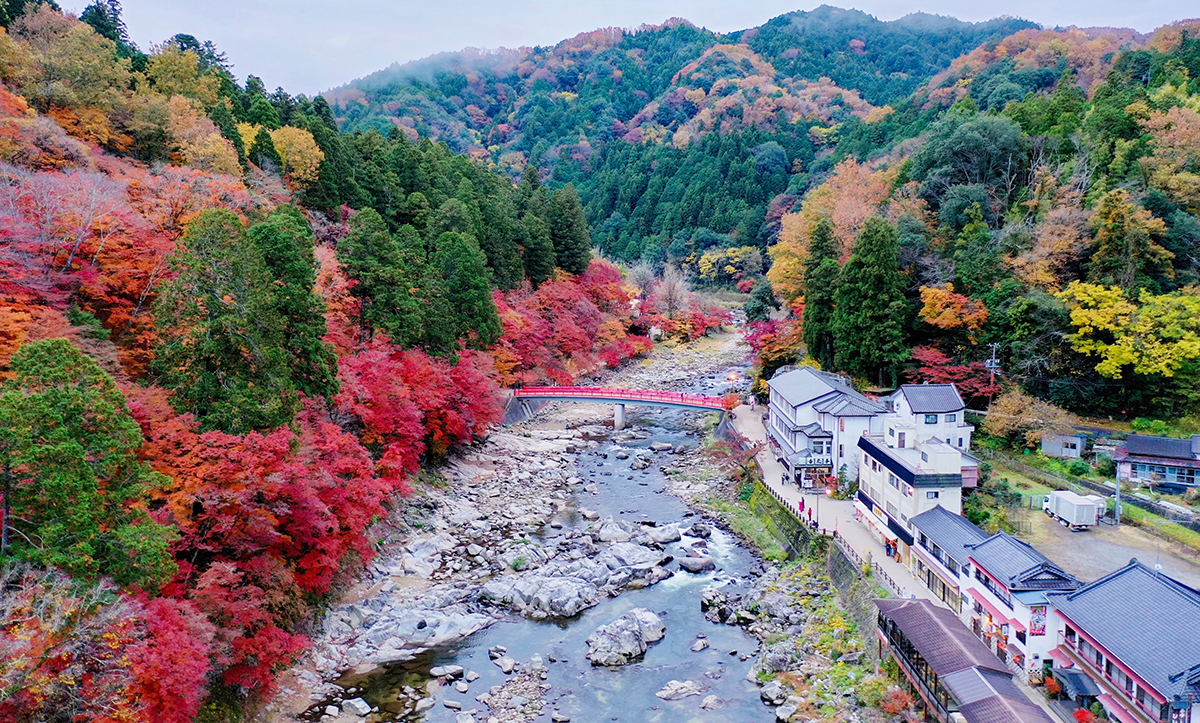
[(616, 394)]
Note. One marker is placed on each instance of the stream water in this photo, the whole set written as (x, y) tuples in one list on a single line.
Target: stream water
[(578, 689)]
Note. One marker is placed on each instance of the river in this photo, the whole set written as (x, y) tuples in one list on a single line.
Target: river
[(571, 686)]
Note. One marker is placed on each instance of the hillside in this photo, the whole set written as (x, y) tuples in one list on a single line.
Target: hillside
[(587, 109)]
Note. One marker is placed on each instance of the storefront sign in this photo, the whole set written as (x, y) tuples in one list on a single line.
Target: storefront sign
[(1037, 619)]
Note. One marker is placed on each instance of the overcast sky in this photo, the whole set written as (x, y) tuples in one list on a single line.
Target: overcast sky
[(311, 45)]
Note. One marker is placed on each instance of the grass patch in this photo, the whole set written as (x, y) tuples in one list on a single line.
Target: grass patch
[(1170, 530), (747, 525)]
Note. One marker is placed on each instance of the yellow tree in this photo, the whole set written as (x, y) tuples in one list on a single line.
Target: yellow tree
[(198, 141), (171, 71), (848, 198), (1174, 166), (300, 154), (1126, 252), (1159, 335)]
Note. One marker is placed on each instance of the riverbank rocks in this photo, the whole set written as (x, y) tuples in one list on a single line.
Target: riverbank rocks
[(625, 639), (679, 689), (661, 446), (773, 693), (697, 564)]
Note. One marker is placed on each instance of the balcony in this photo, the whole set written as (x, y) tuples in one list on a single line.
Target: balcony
[(1113, 692)]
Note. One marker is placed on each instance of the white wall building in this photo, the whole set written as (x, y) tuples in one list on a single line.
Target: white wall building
[(814, 421)]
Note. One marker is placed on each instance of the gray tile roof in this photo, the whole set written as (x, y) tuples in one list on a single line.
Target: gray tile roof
[(1159, 447), (932, 398), (1148, 621), (1018, 566), (948, 531), (1004, 709), (804, 385), (940, 637)]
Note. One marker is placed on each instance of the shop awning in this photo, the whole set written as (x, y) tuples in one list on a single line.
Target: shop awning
[(1115, 710), (997, 616), (1061, 658), (1018, 625)]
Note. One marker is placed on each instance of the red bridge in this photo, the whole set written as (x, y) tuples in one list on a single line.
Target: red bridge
[(621, 397)]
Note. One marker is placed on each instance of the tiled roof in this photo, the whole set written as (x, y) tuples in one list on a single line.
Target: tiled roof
[(1159, 447), (932, 398), (1018, 566), (939, 636), (1010, 708), (1146, 620), (804, 385), (948, 531), (969, 671)]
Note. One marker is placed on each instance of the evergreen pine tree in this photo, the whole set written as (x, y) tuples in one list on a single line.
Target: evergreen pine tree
[(821, 272), (223, 119), (262, 113), (539, 250), (263, 153), (762, 301), (221, 346), (868, 317), (468, 289), (286, 244), (73, 487), (569, 231), (977, 262)]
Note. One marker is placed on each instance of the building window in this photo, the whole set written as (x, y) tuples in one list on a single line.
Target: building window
[(894, 481), (951, 417), (841, 424), (1070, 636), (891, 432), (1141, 696), (901, 440), (907, 491), (960, 441), (931, 419), (841, 450), (1108, 668), (932, 495), (924, 457), (891, 510)]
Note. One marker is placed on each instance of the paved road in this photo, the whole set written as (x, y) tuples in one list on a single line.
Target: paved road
[(832, 514)]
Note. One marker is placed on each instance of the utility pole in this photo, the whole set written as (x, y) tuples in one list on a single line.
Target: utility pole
[(993, 366), (1117, 505)]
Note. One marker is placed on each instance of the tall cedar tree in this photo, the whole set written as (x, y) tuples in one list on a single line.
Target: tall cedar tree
[(539, 250), (421, 315), (762, 301), (222, 339), (868, 317), (262, 113), (977, 262), (385, 279), (821, 272), (468, 290), (569, 231), (286, 244), (73, 485), (263, 154)]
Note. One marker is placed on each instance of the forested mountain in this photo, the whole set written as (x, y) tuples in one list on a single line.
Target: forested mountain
[(589, 108)]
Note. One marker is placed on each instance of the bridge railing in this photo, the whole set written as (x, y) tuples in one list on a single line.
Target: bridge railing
[(615, 393)]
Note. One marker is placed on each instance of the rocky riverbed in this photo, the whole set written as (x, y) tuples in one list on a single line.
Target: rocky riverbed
[(567, 572)]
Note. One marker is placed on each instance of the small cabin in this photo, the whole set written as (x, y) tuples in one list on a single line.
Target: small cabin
[(1064, 446)]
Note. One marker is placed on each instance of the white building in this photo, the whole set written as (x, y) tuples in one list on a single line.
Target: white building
[(814, 422), (1007, 585), (923, 412)]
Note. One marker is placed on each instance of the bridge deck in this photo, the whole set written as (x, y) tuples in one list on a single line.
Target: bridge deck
[(617, 395)]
